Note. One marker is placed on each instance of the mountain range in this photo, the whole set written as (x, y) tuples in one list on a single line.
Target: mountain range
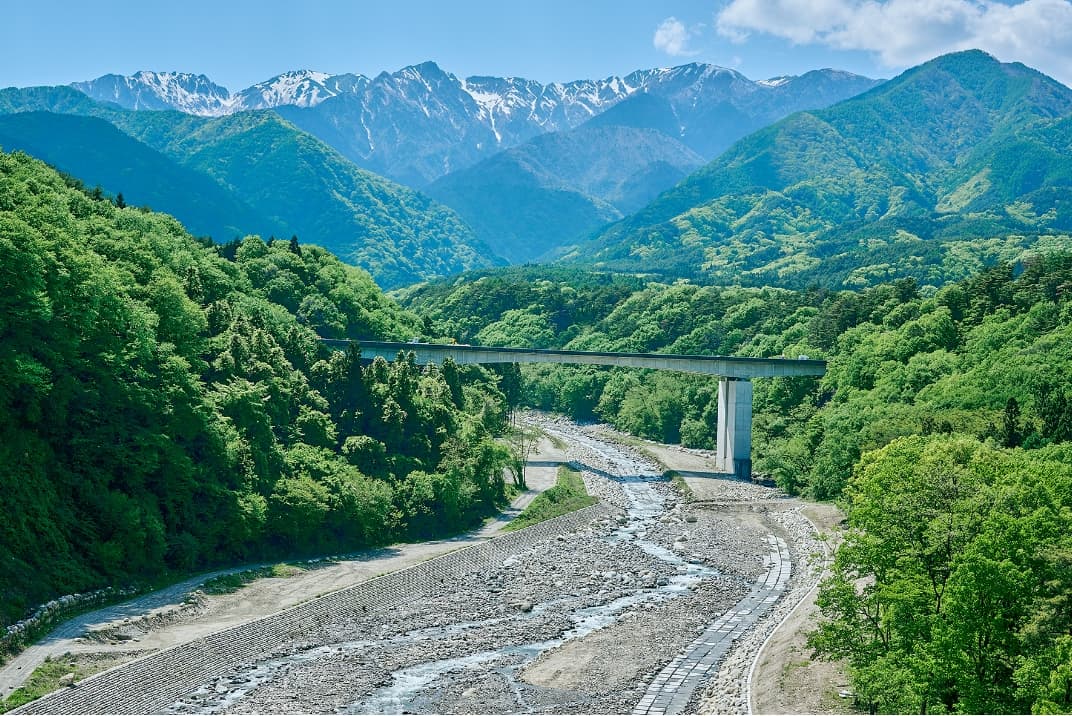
[(580, 154), (555, 189), (277, 180), (197, 94), (845, 181), (422, 122)]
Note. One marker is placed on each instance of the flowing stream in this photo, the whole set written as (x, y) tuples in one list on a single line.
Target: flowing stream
[(644, 504)]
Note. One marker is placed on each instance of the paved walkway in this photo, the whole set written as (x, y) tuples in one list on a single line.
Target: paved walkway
[(672, 689)]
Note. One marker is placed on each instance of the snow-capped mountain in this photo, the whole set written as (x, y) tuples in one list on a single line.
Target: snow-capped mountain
[(301, 88), (197, 94), (422, 122), (193, 94)]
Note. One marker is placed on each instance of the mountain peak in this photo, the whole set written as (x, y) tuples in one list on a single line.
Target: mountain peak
[(175, 76), (146, 89), (436, 123), (313, 75), (963, 61), (300, 88), (1006, 87), (428, 68)]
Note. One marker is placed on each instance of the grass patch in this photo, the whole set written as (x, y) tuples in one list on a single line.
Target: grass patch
[(679, 482), (641, 445), (567, 495), (556, 441), (49, 676), (228, 583), (624, 439)]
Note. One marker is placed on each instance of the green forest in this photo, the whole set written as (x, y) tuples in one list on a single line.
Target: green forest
[(200, 170), (990, 357), (942, 426), (165, 404), (950, 167)]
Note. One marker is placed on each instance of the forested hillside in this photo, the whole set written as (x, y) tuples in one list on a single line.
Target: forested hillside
[(280, 180), (165, 405), (952, 166), (559, 187), (990, 356), (943, 425), (89, 148)]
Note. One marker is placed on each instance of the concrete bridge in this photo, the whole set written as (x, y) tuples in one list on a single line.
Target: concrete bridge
[(733, 441)]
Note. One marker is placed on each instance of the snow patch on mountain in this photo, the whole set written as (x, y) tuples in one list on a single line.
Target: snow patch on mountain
[(198, 95), (775, 81), (186, 92), (412, 124), (301, 88)]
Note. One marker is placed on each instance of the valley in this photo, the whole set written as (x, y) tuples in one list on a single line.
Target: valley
[(589, 620), (236, 344)]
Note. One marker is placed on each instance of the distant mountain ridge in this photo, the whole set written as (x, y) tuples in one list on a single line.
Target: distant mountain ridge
[(87, 147), (555, 189), (421, 122), (953, 165), (198, 95), (249, 172)]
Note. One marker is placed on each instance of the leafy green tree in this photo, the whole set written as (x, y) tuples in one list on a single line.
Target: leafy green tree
[(935, 592), (165, 408)]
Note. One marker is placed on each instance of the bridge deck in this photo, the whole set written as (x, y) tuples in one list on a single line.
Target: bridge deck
[(724, 366)]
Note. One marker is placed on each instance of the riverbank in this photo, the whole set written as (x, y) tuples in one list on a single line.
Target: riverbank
[(665, 603), (584, 622), (180, 613)]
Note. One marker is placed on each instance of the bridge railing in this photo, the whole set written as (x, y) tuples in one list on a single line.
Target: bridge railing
[(725, 366)]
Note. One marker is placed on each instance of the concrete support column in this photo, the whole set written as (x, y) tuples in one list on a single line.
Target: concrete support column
[(733, 443)]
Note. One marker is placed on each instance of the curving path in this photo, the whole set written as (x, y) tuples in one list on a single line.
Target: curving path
[(673, 688)]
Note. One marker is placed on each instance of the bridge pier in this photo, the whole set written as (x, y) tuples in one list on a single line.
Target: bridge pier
[(734, 439), (733, 443)]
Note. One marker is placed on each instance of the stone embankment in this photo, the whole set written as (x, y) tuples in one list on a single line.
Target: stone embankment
[(729, 690), (53, 612), (154, 682)]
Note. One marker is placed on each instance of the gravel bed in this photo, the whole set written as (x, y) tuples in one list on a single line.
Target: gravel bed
[(580, 623)]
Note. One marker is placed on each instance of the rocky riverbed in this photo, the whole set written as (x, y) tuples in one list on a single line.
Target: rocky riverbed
[(581, 623)]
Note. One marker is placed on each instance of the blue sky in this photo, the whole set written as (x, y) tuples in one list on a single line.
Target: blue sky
[(240, 42)]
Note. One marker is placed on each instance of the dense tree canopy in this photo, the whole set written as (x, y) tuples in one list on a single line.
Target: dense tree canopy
[(165, 404), (989, 356), (951, 591)]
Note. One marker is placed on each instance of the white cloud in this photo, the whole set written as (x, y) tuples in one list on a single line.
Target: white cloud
[(672, 37), (906, 32)]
